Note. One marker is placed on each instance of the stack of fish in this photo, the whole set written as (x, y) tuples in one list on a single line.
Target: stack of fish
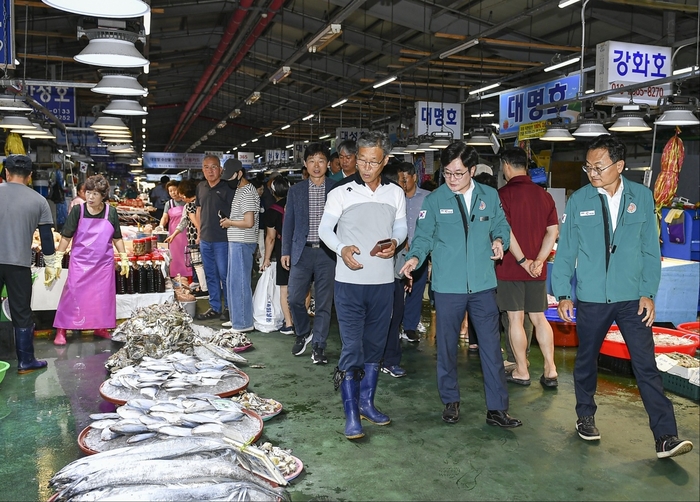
[(192, 415), (173, 373), (158, 330), (177, 469)]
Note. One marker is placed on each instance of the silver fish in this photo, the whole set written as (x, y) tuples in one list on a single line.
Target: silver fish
[(103, 424), (149, 391), (108, 435), (230, 416), (202, 418), (211, 428), (104, 416), (137, 438), (165, 407), (129, 412), (128, 428), (171, 430)]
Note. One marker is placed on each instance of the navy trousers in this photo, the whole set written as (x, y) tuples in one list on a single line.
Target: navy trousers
[(318, 265), (364, 314), (392, 351), (483, 313), (592, 323)]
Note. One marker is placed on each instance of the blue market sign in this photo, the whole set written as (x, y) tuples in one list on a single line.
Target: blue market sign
[(7, 34), (58, 100)]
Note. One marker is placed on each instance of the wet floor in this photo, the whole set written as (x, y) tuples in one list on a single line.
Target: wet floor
[(416, 457)]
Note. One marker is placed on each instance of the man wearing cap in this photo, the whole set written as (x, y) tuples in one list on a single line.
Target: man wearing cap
[(213, 196), (22, 210), (241, 226), (610, 241), (532, 216)]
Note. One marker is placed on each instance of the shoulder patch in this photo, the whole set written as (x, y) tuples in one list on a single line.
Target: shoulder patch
[(563, 217), (421, 214), (482, 205), (632, 208)]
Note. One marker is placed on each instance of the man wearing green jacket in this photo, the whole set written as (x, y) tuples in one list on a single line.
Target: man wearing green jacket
[(610, 241), (464, 228)]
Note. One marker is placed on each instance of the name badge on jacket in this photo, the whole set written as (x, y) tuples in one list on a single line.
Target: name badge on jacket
[(587, 213), (446, 211)]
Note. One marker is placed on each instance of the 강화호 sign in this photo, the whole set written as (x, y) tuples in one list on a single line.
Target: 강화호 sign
[(619, 64)]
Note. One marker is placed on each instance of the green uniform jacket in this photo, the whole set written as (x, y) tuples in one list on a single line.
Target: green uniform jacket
[(634, 268), (459, 266)]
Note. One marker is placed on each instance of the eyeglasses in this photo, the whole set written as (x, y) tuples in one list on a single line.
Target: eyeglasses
[(457, 176), (599, 170), (372, 164)]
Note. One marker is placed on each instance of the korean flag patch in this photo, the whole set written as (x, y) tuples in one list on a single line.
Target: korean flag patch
[(421, 215)]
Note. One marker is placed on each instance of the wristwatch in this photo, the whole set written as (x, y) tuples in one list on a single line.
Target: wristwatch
[(563, 298), (522, 260)]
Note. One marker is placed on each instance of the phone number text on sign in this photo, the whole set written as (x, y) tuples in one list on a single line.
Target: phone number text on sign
[(58, 100), (652, 91)]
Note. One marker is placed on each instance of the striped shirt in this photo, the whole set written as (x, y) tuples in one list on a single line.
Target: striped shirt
[(317, 200), (245, 200)]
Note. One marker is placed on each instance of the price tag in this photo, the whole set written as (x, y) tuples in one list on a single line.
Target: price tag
[(695, 376), (664, 363)]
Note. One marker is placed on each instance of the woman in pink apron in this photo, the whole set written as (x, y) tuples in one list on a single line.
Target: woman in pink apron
[(89, 300), (178, 243)]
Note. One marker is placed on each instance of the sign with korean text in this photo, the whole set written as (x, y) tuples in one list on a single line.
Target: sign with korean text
[(275, 156), (7, 34), (343, 133), (438, 116), (298, 152), (619, 64), (519, 106), (246, 158), (170, 160), (532, 130), (58, 100)]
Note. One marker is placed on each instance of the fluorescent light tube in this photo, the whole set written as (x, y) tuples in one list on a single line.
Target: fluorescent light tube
[(459, 48), (310, 116), (483, 89), (268, 135), (385, 81), (566, 3), (341, 102), (563, 63), (285, 127)]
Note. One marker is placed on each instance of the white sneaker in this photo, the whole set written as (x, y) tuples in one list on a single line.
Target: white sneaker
[(420, 328), (227, 324)]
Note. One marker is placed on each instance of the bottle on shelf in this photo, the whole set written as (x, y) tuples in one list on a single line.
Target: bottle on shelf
[(120, 280), (141, 275)]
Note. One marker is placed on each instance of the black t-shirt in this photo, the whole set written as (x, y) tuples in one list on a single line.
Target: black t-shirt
[(71, 224), (212, 200), (274, 219)]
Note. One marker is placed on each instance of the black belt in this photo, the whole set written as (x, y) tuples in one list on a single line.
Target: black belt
[(313, 244)]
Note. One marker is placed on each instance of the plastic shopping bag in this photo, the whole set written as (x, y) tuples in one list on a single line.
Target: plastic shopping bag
[(267, 308)]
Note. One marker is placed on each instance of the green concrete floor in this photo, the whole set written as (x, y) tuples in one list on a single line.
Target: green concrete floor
[(416, 457)]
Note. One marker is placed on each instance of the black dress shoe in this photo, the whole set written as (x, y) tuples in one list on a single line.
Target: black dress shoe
[(451, 413), (502, 419)]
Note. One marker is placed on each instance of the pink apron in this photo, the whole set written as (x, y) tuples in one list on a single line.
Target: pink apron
[(178, 244), (89, 298)]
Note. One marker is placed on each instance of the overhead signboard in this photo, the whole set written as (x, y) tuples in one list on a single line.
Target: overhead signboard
[(352, 133), (246, 158), (275, 156), (170, 160), (298, 152), (519, 106), (58, 100), (438, 117), (619, 64), (7, 34)]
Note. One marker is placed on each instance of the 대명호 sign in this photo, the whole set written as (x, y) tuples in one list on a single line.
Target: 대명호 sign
[(436, 116), (519, 106), (299, 147), (246, 158), (619, 64), (532, 130), (58, 100), (275, 156), (169, 160), (7, 34), (343, 133)]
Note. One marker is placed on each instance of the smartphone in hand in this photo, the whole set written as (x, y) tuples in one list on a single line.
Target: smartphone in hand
[(222, 215), (380, 246)]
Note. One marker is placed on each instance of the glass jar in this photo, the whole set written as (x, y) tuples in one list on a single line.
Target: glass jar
[(139, 247)]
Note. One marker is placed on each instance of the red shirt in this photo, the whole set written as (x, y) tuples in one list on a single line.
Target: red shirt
[(529, 210)]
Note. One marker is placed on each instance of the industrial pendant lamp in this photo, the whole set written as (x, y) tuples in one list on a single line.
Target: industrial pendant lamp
[(590, 125), (557, 131), (16, 122), (109, 123), (13, 104), (124, 107), (630, 118), (426, 144), (677, 111), (119, 85), (442, 139), (111, 48), (479, 136), (102, 8)]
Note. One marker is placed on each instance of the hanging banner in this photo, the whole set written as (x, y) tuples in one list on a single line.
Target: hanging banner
[(438, 116), (170, 160), (298, 152), (532, 130), (246, 158), (275, 156), (343, 133), (7, 34), (58, 100), (619, 64), (519, 106)]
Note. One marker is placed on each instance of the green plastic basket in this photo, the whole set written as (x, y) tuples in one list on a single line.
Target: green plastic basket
[(3, 369), (680, 386)]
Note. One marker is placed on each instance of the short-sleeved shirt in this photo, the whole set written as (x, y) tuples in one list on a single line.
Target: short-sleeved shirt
[(22, 210), (529, 209), (71, 225), (159, 196), (212, 200), (186, 223), (413, 205), (274, 219), (246, 200)]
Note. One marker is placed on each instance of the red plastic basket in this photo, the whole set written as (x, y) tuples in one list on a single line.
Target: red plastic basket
[(619, 349), (692, 328)]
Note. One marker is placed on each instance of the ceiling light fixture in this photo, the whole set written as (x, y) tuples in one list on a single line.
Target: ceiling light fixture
[(308, 117), (285, 127), (479, 136), (124, 107), (324, 37), (562, 64), (630, 118), (339, 103), (290, 146), (102, 8), (325, 136), (566, 3), (443, 139), (14, 104), (235, 113), (268, 134), (481, 115), (590, 125), (385, 81), (459, 48), (111, 48), (557, 131), (119, 85), (109, 123), (252, 98), (677, 111), (254, 140), (484, 89), (685, 70), (280, 74), (16, 122), (244, 144)]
